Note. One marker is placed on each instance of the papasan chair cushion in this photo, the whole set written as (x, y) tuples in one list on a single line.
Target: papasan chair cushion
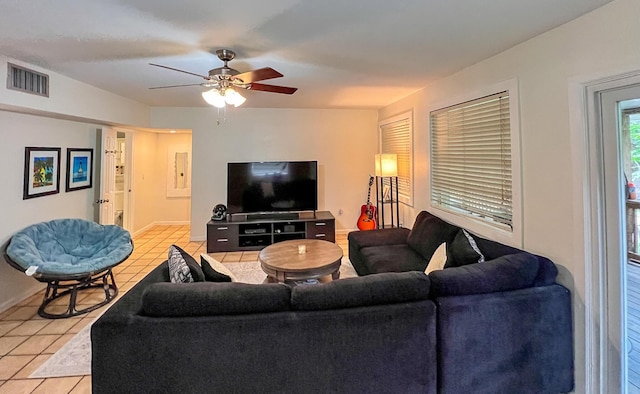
[(69, 247), (70, 255)]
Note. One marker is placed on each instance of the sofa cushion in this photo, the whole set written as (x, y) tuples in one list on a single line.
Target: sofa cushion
[(510, 272), (387, 236), (463, 250), (491, 249), (386, 288), (179, 270), (428, 233), (392, 258), (209, 298), (215, 271)]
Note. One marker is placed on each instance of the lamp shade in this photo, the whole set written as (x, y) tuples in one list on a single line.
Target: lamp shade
[(234, 98), (213, 97), (386, 164)]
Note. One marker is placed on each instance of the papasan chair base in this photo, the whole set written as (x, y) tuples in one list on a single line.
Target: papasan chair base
[(70, 256), (57, 289)]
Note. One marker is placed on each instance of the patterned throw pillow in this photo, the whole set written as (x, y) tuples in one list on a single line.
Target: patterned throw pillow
[(474, 246), (194, 267), (179, 271)]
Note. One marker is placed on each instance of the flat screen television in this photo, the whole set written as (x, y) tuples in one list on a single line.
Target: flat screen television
[(262, 187)]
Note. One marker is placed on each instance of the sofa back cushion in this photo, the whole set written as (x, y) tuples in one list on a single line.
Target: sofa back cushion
[(510, 272), (547, 271), (428, 233), (377, 289), (213, 298)]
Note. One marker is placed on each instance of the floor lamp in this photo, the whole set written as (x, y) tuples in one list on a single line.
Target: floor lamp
[(387, 167)]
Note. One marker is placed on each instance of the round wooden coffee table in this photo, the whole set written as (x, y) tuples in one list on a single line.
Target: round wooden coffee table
[(282, 261)]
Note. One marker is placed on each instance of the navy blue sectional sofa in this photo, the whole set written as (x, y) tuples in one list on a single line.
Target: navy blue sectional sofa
[(501, 326)]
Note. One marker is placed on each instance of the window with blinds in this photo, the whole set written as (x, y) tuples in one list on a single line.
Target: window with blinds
[(471, 166), (396, 136)]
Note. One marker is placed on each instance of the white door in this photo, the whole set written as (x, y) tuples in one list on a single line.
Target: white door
[(615, 253), (105, 202), (127, 221)]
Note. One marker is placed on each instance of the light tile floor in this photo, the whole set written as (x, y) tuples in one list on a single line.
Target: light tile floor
[(27, 340)]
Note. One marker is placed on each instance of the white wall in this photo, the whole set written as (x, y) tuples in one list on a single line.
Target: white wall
[(18, 131), (604, 42), (70, 98), (343, 142), (145, 179), (174, 209)]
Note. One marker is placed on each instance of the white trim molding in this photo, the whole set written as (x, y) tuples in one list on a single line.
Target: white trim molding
[(603, 339)]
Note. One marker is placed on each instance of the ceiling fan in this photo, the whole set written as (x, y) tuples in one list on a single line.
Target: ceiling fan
[(224, 80)]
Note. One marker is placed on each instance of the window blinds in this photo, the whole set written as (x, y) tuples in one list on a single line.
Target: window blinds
[(395, 137), (471, 159)]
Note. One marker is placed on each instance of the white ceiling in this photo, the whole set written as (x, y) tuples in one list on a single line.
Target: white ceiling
[(340, 54)]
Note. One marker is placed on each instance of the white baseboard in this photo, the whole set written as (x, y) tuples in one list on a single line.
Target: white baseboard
[(170, 223), (142, 230), (160, 223)]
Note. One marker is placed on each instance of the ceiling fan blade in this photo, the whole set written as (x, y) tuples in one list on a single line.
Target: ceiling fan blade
[(178, 70), (258, 75), (272, 88), (176, 86)]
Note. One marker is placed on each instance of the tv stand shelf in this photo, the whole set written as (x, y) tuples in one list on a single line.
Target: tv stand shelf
[(259, 230)]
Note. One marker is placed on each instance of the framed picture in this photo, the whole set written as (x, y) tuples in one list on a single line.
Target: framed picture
[(79, 169), (386, 193), (41, 172)]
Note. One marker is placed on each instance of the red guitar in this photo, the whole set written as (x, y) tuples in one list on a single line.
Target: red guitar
[(367, 219)]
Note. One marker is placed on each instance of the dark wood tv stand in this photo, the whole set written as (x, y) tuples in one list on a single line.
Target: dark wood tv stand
[(255, 231)]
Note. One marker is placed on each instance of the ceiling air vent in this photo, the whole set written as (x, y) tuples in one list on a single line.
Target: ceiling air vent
[(29, 81)]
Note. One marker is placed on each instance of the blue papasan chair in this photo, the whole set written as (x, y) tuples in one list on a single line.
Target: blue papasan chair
[(70, 255)]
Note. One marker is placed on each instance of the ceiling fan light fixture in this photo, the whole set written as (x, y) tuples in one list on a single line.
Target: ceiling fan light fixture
[(221, 83), (234, 98), (213, 97)]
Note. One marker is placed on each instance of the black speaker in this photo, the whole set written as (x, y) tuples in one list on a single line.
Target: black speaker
[(219, 212)]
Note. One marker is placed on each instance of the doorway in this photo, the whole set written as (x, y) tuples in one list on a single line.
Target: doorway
[(121, 165), (629, 131), (114, 203), (606, 249)]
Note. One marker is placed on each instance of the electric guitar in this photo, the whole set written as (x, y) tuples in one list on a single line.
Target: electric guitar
[(367, 219)]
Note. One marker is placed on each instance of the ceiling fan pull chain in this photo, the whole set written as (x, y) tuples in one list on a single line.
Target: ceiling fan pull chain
[(224, 115)]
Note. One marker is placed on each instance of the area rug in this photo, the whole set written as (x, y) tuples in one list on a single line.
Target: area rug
[(74, 358)]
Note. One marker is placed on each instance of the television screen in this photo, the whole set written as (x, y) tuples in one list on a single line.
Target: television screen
[(272, 186)]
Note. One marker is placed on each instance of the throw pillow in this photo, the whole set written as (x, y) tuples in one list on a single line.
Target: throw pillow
[(215, 271), (438, 260), (179, 271), (194, 267), (463, 251)]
